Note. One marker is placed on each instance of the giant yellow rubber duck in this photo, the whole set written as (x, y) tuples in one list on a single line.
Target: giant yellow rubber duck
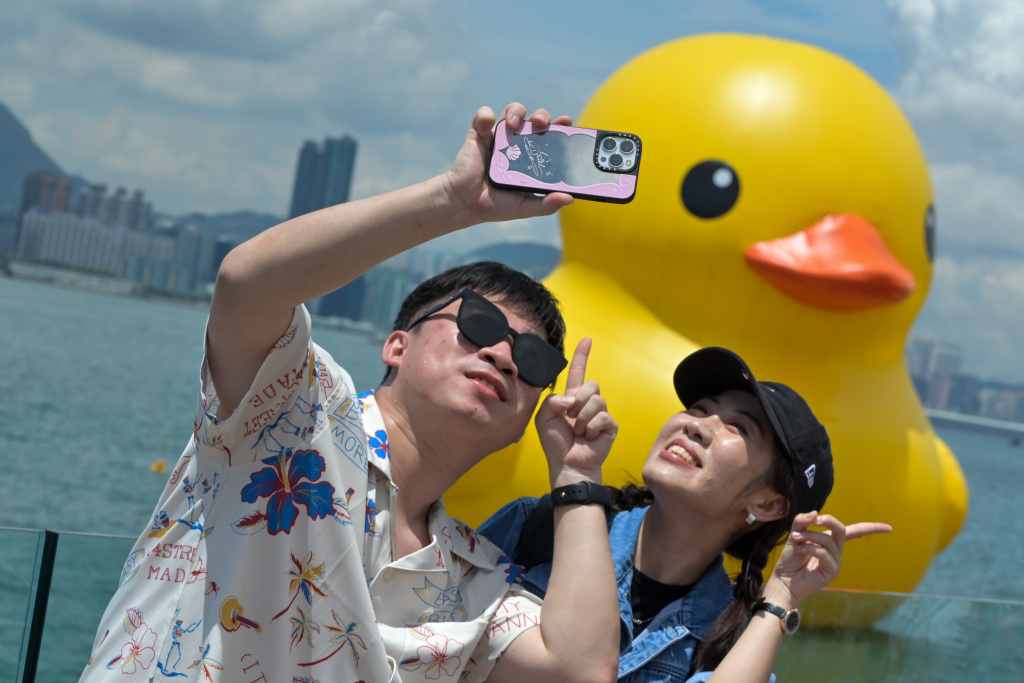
[(783, 210)]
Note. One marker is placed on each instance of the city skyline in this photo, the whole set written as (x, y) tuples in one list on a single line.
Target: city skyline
[(86, 229), (204, 104)]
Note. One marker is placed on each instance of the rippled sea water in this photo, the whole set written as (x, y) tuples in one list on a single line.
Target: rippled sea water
[(95, 388)]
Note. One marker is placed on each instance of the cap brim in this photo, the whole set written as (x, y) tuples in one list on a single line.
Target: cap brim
[(714, 370)]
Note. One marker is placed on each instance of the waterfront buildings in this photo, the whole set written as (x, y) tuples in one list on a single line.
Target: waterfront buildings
[(89, 229), (45, 191), (935, 368)]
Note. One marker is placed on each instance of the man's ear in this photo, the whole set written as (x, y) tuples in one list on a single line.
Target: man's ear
[(395, 347)]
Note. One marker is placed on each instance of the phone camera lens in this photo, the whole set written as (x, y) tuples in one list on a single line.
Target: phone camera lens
[(615, 160), (608, 144), (626, 147)]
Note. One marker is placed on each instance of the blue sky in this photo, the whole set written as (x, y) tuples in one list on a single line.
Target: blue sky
[(203, 104)]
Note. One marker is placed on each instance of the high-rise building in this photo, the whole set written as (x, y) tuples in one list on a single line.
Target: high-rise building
[(323, 175), (116, 209), (46, 191), (323, 178)]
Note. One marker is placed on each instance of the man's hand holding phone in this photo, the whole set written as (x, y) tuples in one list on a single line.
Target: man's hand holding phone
[(598, 165), (467, 178)]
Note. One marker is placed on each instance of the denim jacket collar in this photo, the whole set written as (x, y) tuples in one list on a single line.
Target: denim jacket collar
[(690, 616)]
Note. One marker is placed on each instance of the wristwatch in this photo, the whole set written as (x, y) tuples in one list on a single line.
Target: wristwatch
[(789, 619), (582, 493)]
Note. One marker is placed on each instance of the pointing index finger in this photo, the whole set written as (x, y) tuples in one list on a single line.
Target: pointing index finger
[(578, 367), (866, 529)]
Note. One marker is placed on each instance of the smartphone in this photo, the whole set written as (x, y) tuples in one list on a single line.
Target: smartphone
[(600, 165)]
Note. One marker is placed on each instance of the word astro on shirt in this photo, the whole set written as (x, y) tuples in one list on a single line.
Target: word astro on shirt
[(270, 555)]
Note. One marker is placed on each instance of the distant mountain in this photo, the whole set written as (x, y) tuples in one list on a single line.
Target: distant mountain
[(19, 156), (240, 224), (533, 258)]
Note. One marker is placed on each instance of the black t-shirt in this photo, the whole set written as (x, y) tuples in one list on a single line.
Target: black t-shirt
[(648, 597)]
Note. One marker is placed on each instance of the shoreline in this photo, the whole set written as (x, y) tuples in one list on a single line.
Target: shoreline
[(1014, 430)]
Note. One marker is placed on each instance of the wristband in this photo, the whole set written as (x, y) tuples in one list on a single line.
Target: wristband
[(583, 493)]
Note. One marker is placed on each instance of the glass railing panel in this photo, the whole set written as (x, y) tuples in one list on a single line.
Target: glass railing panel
[(85, 576), (18, 550), (916, 638), (921, 638)]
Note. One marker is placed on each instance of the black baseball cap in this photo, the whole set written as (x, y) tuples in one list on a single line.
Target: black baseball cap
[(804, 441)]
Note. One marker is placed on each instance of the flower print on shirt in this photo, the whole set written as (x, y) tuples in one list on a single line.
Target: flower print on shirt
[(283, 484), (379, 443), (513, 572), (440, 654), (140, 650)]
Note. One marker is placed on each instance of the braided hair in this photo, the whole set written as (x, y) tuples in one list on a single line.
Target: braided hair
[(754, 548)]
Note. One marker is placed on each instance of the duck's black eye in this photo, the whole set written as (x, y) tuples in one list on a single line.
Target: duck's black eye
[(929, 232), (710, 189)]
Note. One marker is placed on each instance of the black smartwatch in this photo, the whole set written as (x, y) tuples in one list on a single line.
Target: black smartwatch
[(789, 619), (583, 493)]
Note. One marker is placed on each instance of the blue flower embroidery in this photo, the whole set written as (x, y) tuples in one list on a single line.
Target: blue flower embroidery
[(379, 443), (283, 484), (513, 572)]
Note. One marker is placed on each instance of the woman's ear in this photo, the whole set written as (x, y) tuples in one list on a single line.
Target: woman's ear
[(394, 349), (769, 506)]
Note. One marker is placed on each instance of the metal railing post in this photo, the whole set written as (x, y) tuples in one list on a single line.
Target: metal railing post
[(39, 596)]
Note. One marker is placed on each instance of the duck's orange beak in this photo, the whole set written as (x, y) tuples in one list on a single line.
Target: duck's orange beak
[(840, 263)]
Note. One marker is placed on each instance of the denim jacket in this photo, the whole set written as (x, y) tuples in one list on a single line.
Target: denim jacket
[(664, 650)]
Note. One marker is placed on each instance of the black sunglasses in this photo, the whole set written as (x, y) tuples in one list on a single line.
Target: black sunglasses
[(483, 324)]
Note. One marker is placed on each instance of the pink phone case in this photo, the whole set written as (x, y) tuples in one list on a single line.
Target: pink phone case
[(565, 159)]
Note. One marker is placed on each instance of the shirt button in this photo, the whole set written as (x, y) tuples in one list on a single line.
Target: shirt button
[(386, 574)]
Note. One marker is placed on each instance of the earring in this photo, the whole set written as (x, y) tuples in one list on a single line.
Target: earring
[(751, 518)]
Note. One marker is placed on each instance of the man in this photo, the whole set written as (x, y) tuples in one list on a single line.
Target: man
[(319, 549)]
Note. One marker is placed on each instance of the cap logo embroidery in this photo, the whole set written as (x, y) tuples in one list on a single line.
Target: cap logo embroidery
[(809, 473)]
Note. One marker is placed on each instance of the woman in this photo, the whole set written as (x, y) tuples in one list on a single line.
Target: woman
[(746, 462)]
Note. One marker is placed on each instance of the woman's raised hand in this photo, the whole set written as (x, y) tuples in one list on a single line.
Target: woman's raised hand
[(811, 558), (575, 428)]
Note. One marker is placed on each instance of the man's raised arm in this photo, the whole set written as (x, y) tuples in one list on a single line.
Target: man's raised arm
[(261, 281)]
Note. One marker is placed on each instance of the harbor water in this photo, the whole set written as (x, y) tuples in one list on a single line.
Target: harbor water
[(97, 388)]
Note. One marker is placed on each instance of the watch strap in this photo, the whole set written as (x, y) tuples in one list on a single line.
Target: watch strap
[(768, 607), (583, 493), (789, 619)]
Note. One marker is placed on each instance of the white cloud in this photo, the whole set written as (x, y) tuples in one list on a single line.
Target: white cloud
[(205, 104), (963, 90), (978, 209), (963, 84), (975, 303)]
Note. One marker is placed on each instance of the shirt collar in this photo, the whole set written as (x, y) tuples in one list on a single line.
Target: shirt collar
[(457, 540)]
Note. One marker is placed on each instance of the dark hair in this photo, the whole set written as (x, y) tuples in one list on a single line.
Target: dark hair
[(632, 496), (512, 288), (753, 548)]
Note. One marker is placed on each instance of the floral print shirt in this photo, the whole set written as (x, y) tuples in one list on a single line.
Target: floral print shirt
[(270, 554)]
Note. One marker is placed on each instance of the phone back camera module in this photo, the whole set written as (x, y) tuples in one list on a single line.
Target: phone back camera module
[(616, 152)]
